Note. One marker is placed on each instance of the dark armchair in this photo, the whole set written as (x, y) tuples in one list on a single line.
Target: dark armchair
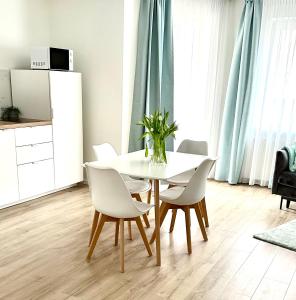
[(284, 181)]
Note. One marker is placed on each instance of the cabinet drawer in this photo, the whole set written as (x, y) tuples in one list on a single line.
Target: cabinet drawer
[(33, 135), (34, 152), (36, 178)]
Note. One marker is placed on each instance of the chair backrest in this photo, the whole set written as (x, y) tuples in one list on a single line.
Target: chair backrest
[(193, 147), (109, 193), (104, 151), (195, 190)]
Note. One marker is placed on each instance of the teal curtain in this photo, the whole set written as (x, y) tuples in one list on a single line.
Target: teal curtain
[(154, 77), (237, 103)]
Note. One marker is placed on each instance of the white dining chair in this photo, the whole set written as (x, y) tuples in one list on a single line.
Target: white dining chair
[(106, 151), (185, 198), (190, 147), (113, 202)]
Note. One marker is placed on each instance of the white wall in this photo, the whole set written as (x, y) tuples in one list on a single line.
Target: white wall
[(22, 25), (94, 30)]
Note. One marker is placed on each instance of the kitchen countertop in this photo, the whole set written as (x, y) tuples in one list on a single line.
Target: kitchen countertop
[(23, 123)]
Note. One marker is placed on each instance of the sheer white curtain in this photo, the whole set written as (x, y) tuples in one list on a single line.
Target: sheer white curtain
[(273, 122), (204, 34)]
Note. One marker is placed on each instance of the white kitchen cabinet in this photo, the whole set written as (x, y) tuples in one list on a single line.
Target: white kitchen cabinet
[(65, 92), (36, 178), (8, 168), (42, 159), (55, 96)]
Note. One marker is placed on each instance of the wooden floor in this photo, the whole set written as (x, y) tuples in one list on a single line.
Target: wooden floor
[(43, 245)]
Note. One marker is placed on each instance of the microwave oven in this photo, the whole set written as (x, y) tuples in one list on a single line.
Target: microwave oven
[(49, 58)]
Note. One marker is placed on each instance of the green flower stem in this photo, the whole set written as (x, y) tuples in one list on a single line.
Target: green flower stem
[(159, 154)]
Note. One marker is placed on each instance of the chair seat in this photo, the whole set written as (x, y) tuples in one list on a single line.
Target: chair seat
[(171, 195), (142, 206), (137, 186), (181, 179)]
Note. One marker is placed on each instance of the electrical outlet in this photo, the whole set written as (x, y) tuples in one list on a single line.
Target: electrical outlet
[(5, 88)]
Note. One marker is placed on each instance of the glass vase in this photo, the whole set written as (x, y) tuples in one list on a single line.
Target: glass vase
[(159, 155)]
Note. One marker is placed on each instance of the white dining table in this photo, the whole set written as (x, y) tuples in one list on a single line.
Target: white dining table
[(135, 164)]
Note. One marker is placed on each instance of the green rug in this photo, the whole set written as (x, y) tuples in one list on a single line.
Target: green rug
[(283, 236)]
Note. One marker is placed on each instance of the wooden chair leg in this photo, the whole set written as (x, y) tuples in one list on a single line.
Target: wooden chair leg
[(163, 211), (204, 212), (130, 234), (174, 214), (143, 234), (201, 209), (145, 218), (188, 233), (98, 231), (94, 226), (121, 225), (200, 221), (149, 193), (116, 233)]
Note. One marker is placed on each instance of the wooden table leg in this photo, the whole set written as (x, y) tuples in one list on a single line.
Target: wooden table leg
[(157, 221)]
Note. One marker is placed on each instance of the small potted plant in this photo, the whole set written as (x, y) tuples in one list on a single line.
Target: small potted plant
[(157, 130), (11, 114)]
